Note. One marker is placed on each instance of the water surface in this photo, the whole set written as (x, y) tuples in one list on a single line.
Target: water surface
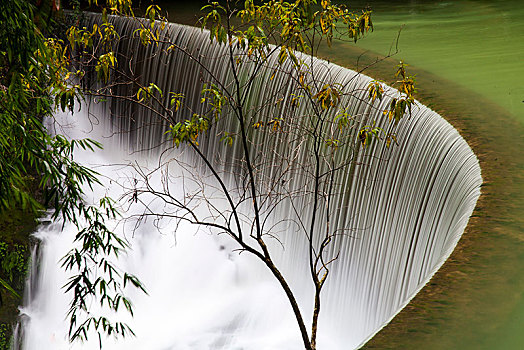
[(469, 59)]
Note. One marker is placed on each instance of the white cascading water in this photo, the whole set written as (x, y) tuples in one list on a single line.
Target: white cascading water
[(406, 207)]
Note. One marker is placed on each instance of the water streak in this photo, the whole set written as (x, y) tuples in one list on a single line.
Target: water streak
[(404, 206)]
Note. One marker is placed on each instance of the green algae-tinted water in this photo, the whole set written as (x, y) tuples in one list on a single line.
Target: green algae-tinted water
[(469, 61), (477, 44)]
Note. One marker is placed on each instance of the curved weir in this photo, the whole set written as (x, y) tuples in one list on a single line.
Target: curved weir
[(403, 207)]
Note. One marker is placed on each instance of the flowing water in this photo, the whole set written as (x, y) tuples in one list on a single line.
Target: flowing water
[(406, 206), (469, 59)]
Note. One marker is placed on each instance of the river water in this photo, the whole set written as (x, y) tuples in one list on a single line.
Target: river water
[(468, 56), (469, 61)]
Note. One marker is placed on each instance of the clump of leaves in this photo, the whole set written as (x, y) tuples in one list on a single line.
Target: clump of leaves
[(406, 85), (369, 133), (96, 277), (5, 336), (13, 265), (188, 130)]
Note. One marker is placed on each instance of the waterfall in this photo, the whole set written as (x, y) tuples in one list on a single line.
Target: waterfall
[(404, 208)]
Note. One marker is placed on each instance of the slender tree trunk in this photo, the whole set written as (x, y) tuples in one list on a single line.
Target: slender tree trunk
[(314, 324), (293, 302)]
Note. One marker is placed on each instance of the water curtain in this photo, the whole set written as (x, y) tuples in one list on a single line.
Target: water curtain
[(401, 209)]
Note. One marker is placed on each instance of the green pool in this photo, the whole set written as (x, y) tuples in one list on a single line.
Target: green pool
[(469, 59)]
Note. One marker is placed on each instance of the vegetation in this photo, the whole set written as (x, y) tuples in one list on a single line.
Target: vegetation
[(37, 78), (15, 227), (5, 334), (13, 264), (34, 83), (284, 37)]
